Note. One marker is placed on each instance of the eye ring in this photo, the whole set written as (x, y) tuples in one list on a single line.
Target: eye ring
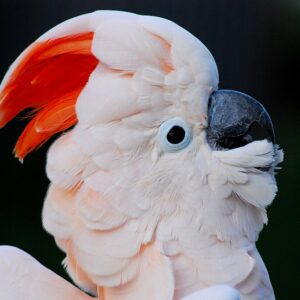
[(174, 135)]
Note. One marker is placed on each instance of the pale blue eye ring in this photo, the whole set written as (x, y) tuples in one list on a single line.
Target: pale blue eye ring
[(174, 135)]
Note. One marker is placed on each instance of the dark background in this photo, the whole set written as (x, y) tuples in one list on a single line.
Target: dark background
[(256, 45)]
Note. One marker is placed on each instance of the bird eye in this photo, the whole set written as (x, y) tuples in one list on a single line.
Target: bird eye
[(174, 134)]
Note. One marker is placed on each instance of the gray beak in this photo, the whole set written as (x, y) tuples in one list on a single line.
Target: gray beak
[(234, 120)]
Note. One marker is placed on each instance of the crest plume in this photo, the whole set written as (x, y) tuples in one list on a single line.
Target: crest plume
[(48, 79)]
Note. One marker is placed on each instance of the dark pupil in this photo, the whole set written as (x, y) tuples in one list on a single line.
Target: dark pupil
[(176, 135)]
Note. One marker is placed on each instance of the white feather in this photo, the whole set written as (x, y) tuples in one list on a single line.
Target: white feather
[(106, 97), (22, 277), (137, 222)]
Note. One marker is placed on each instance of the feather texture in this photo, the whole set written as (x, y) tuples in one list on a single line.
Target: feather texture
[(16, 273), (136, 221), (48, 79)]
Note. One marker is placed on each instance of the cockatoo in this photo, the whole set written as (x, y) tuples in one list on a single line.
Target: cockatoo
[(159, 188)]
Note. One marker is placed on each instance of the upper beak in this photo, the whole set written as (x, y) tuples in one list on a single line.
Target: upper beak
[(231, 114)]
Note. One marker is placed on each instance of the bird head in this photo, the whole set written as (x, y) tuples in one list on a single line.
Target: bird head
[(154, 133)]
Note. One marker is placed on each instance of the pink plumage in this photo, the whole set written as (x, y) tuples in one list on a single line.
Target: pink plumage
[(138, 217)]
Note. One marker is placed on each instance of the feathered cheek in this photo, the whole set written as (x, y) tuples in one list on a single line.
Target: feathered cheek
[(249, 170)]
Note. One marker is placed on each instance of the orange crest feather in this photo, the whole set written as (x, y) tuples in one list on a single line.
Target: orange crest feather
[(48, 80)]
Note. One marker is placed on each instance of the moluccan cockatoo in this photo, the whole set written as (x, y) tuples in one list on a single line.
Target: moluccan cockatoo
[(160, 189)]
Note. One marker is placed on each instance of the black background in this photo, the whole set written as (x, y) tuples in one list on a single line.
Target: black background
[(256, 45)]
